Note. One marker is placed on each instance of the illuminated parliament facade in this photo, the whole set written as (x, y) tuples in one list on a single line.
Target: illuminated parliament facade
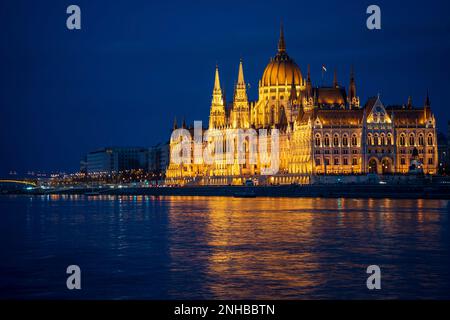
[(322, 130)]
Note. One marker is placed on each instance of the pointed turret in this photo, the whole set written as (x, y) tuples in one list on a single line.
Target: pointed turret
[(409, 105), (353, 99), (427, 107), (183, 125), (240, 102), (281, 41), (216, 79), (427, 100), (308, 87), (335, 83), (217, 112), (241, 80), (175, 124), (293, 95)]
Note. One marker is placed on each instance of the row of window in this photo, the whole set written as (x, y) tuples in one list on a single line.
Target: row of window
[(345, 161), (336, 161), (335, 151), (379, 140), (372, 140), (326, 140), (412, 140)]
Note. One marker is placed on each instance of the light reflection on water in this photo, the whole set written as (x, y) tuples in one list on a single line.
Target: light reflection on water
[(222, 248)]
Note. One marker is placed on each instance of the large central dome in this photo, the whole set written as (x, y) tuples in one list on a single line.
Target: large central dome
[(281, 69)]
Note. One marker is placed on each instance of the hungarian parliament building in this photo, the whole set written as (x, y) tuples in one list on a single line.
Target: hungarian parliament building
[(322, 130)]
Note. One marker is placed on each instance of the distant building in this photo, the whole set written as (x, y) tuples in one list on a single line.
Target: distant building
[(116, 159), (159, 157), (83, 164)]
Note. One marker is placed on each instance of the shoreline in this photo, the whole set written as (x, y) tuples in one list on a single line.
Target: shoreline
[(400, 191)]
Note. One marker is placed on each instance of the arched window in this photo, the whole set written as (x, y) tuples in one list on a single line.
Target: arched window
[(430, 139), (370, 140), (336, 140), (327, 141), (345, 140), (402, 140), (389, 139), (376, 140), (317, 140), (383, 140), (354, 140), (411, 140), (421, 140)]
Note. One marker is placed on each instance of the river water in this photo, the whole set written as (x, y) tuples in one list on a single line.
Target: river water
[(138, 247)]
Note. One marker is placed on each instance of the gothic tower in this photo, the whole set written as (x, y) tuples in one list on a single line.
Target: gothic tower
[(240, 112), (217, 113)]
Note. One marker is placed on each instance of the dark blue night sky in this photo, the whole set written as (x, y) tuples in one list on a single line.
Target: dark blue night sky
[(135, 65)]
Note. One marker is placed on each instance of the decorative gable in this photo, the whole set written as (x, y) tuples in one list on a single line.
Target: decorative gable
[(317, 123), (378, 113)]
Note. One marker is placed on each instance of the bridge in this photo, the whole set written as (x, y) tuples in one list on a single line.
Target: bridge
[(28, 183)]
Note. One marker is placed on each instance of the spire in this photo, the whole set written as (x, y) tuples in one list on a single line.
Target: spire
[(240, 102), (217, 80), (409, 102), (293, 96), (175, 124), (217, 112), (352, 87), (427, 100), (281, 42), (217, 98), (335, 83), (308, 89), (427, 107), (241, 74), (183, 125)]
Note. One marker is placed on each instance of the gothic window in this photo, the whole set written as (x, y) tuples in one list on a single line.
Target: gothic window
[(354, 140), (389, 139), (370, 140), (383, 140), (402, 140), (317, 140), (327, 141), (421, 140), (336, 161), (345, 161), (430, 139), (354, 161), (376, 140), (430, 161), (318, 162), (345, 140), (336, 140), (411, 140)]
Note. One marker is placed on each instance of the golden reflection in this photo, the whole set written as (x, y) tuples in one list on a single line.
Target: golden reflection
[(244, 244)]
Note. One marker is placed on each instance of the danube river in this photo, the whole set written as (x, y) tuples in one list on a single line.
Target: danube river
[(220, 248)]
